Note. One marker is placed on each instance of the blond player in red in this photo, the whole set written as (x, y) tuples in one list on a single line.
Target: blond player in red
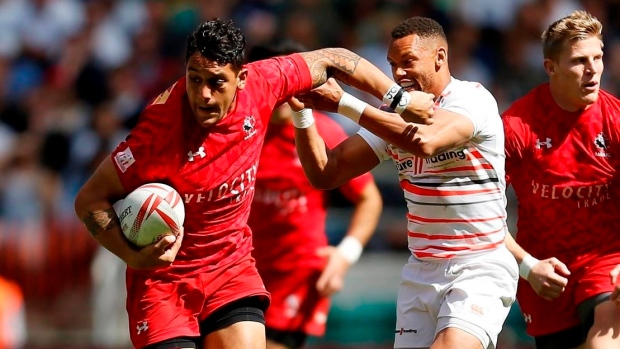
[(460, 281), (203, 137), (562, 159)]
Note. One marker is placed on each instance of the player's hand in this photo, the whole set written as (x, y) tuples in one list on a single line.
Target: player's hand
[(160, 254), (613, 276), (332, 277), (325, 97), (420, 109), (295, 104), (548, 278)]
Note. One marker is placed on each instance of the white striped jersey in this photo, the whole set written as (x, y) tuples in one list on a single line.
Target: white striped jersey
[(456, 199)]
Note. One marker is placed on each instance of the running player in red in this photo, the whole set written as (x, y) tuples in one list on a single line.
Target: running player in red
[(562, 159), (286, 210), (202, 136)]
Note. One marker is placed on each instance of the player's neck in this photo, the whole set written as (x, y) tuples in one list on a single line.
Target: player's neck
[(559, 97)]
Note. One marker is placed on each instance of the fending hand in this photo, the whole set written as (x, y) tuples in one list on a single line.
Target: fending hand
[(325, 97), (420, 109)]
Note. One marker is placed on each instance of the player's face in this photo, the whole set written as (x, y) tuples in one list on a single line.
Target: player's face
[(413, 63), (577, 72), (211, 88)]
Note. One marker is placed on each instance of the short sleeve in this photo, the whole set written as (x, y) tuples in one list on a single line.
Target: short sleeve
[(378, 145), (514, 147), (473, 101)]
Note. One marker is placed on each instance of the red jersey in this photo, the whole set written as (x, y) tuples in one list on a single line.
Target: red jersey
[(213, 169), (563, 167), (288, 214)]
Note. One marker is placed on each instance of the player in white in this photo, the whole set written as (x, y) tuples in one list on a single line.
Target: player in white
[(460, 281)]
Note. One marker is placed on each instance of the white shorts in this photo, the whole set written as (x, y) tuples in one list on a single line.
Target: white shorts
[(473, 294)]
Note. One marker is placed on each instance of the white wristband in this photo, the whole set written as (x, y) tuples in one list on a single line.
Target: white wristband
[(350, 248), (303, 118), (526, 265), (351, 107)]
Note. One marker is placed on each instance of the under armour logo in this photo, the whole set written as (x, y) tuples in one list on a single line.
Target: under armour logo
[(547, 143), (142, 326), (201, 152), (527, 318)]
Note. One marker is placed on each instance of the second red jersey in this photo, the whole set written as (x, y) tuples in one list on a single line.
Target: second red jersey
[(288, 214), (564, 168)]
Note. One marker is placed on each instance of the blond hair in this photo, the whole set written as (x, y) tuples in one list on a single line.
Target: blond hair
[(578, 25)]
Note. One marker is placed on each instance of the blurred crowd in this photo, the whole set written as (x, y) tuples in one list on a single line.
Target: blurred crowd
[(74, 75)]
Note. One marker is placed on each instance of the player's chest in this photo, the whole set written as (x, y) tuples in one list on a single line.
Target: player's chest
[(409, 165), (584, 153)]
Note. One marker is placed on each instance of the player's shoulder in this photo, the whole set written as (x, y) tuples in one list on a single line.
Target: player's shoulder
[(468, 92), (609, 100), (170, 100)]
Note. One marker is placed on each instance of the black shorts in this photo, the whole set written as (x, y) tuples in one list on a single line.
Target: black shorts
[(245, 309), (575, 336)]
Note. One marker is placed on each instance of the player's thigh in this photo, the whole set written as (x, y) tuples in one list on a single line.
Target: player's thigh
[(240, 335), (605, 327), (451, 337), (239, 324), (480, 298)]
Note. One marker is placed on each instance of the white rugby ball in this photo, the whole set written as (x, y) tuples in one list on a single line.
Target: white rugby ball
[(150, 212)]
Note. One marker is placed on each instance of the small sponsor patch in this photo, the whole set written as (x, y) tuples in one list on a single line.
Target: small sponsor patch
[(124, 159)]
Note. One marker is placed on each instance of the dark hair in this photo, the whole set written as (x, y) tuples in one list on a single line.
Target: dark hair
[(217, 40), (424, 27), (285, 47)]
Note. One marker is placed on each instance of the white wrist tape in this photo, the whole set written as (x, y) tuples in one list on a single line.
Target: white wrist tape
[(526, 265), (303, 118), (351, 107), (397, 98), (350, 248)]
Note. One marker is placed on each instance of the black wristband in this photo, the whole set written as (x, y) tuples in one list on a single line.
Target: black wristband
[(397, 98)]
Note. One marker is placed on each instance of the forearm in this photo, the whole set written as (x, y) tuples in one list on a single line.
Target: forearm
[(517, 251), (312, 153), (349, 68), (103, 224)]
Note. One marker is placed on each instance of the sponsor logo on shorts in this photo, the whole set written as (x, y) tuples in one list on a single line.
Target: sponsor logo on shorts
[(527, 318), (402, 331)]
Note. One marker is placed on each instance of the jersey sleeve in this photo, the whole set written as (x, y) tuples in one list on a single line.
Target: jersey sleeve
[(277, 79), (333, 134), (473, 101), (378, 145), (141, 157), (514, 146)]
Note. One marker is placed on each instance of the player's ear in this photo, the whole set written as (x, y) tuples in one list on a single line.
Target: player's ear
[(550, 66), (241, 78), (441, 56)]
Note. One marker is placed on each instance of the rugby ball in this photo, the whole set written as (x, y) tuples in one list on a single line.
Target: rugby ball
[(149, 213)]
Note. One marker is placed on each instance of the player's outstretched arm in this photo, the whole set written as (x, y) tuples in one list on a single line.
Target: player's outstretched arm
[(448, 131), (353, 70), (364, 219), (93, 206), (328, 168)]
